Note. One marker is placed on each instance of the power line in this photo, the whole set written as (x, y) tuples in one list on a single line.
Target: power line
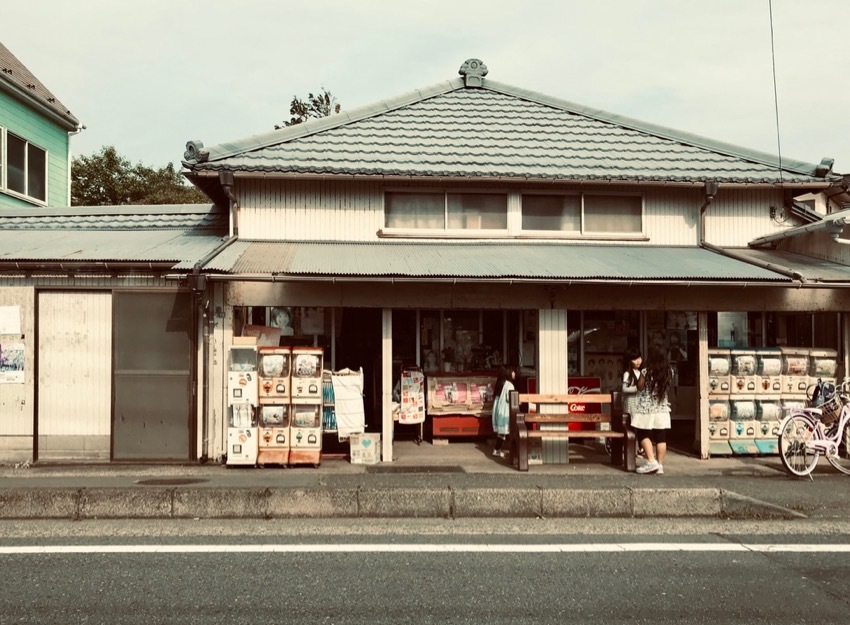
[(775, 95)]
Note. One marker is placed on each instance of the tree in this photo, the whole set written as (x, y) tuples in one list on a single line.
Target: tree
[(315, 106), (108, 179)]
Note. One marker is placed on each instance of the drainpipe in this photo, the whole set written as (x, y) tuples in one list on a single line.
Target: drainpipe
[(198, 283), (710, 191)]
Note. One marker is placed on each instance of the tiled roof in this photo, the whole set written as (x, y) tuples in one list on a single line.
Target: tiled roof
[(20, 80), (484, 261), (179, 234), (497, 131), (124, 217)]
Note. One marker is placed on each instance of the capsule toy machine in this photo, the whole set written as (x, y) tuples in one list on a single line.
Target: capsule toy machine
[(768, 372), (274, 374), (719, 425), (307, 389), (719, 372), (744, 424), (823, 366), (242, 400), (795, 372), (743, 371), (769, 414), (307, 374), (274, 430), (306, 434)]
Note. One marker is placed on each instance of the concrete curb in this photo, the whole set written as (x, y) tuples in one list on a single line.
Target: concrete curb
[(388, 502)]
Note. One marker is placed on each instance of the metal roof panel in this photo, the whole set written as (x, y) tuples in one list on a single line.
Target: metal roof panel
[(488, 261)]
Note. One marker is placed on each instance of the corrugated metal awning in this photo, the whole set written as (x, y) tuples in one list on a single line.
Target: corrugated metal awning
[(812, 269), (484, 261)]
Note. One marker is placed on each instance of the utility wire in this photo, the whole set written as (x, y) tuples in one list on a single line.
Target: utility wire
[(775, 95)]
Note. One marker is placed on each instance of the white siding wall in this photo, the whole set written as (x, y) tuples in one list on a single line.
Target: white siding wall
[(353, 210), (310, 210), (737, 216), (75, 363)]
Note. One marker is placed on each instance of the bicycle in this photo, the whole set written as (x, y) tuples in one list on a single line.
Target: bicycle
[(809, 432)]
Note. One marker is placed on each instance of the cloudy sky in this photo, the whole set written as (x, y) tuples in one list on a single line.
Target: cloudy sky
[(148, 76)]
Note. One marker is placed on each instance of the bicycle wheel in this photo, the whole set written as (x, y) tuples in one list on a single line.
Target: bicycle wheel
[(795, 432), (842, 460)]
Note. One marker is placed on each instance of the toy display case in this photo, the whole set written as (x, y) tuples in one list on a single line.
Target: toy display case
[(743, 424), (719, 426), (274, 374), (273, 438), (306, 434), (242, 446), (719, 372), (743, 371), (769, 372), (823, 365), (307, 373), (769, 414), (795, 371)]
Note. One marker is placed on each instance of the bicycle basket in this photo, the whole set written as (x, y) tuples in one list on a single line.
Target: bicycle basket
[(831, 410)]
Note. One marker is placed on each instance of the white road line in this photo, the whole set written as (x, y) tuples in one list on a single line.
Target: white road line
[(428, 548)]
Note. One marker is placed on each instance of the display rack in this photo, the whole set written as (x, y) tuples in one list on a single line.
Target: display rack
[(460, 404)]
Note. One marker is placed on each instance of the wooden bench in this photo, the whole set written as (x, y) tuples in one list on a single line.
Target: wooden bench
[(621, 436)]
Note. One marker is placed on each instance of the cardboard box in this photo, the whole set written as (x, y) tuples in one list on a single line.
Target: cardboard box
[(365, 448), (244, 340)]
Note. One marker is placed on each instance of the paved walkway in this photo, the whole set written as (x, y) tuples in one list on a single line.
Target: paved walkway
[(460, 479)]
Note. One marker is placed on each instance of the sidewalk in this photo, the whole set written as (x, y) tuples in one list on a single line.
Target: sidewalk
[(457, 480)]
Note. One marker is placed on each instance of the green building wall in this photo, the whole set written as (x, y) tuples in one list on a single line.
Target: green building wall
[(17, 117)]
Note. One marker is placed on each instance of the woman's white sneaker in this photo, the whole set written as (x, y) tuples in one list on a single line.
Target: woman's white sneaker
[(649, 467)]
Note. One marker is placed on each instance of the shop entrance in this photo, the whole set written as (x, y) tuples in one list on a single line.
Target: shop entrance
[(359, 345)]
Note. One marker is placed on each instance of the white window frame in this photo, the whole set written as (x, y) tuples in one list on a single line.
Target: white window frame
[(584, 234), (445, 231), (4, 168)]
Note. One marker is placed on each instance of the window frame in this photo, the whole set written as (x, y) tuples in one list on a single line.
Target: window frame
[(4, 168), (583, 233), (445, 231)]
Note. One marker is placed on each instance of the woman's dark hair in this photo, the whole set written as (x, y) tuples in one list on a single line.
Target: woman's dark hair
[(658, 377), (628, 356), (504, 376)]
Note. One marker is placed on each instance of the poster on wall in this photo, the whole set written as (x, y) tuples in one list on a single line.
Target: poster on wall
[(312, 321), (12, 363), (412, 397), (10, 319)]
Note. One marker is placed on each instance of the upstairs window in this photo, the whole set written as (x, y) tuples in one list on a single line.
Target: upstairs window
[(24, 168), (439, 210), (585, 213)]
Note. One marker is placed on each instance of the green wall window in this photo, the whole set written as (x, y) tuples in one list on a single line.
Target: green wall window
[(26, 168)]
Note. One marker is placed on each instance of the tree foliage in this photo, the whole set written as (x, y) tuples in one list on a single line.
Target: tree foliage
[(315, 106), (108, 179)]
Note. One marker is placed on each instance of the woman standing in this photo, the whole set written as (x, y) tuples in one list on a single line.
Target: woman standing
[(502, 408), (650, 409)]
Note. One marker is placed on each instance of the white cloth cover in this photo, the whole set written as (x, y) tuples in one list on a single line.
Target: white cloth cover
[(348, 404)]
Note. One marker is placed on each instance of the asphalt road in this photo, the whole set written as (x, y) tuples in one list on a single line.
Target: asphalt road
[(406, 571)]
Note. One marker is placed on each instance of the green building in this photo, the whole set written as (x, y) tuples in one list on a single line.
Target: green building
[(35, 133)]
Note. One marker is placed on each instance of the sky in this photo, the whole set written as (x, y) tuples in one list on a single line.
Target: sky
[(149, 76)]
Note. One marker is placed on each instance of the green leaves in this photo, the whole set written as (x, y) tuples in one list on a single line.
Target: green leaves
[(108, 179), (319, 105)]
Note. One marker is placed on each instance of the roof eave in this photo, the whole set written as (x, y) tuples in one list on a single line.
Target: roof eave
[(67, 121)]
